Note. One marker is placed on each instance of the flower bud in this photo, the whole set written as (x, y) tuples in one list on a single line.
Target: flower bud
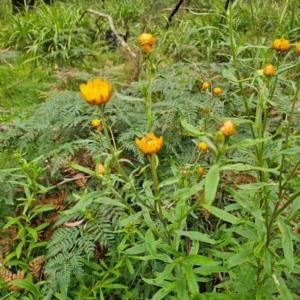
[(269, 70), (95, 122), (227, 128), (201, 170), (205, 85), (146, 38), (101, 169), (217, 91), (146, 48), (297, 48), (202, 146)]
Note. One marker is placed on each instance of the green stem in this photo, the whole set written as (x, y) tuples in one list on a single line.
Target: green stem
[(286, 143), (116, 162), (152, 160), (192, 208), (149, 93), (235, 63)]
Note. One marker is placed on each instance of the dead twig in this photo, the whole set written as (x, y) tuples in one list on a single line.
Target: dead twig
[(65, 180), (10, 65), (112, 27)]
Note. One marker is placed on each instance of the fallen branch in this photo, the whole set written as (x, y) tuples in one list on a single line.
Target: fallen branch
[(65, 180), (112, 27)]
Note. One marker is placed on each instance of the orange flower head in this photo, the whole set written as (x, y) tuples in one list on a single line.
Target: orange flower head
[(297, 48), (201, 170), (202, 146), (269, 70), (227, 128), (217, 91), (205, 85), (149, 144), (146, 38), (96, 91), (281, 44), (146, 48), (95, 122), (99, 128), (206, 110)]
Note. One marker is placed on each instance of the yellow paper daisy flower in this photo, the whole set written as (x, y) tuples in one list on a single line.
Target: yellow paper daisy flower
[(149, 144), (96, 91)]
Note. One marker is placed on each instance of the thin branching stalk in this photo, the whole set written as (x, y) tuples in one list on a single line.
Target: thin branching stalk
[(235, 63)]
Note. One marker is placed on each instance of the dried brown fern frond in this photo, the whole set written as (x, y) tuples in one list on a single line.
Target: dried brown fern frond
[(205, 213), (56, 200), (81, 157), (7, 238), (9, 276), (81, 181), (99, 252), (35, 266)]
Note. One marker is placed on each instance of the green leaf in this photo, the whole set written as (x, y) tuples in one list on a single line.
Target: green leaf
[(191, 279), (223, 215), (163, 257), (136, 249), (243, 201), (129, 266), (287, 244), (181, 283), (27, 286), (281, 287), (9, 257), (19, 249), (82, 169), (248, 142), (196, 236), (186, 193), (128, 98), (238, 259), (196, 259), (37, 245), (293, 210), (13, 220), (114, 286), (33, 233), (150, 242), (166, 272), (246, 167), (254, 186), (208, 270), (90, 198), (211, 184), (168, 182), (169, 249), (109, 201), (41, 226), (220, 6), (41, 208), (291, 151), (131, 218), (162, 293), (267, 262), (190, 129), (214, 296)]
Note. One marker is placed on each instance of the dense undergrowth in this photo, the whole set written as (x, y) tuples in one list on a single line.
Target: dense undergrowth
[(183, 184)]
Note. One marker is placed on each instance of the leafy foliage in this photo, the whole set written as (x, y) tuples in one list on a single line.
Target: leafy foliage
[(185, 222)]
